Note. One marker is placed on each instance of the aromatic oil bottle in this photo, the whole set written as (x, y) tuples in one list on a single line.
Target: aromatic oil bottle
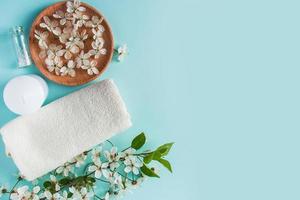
[(21, 47)]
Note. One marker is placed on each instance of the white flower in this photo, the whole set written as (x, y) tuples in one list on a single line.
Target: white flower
[(116, 180), (83, 194), (65, 169), (69, 70), (66, 34), (122, 52), (136, 183), (81, 19), (112, 154), (95, 22), (21, 193), (132, 165), (64, 17), (100, 169), (74, 43), (55, 182), (68, 54), (42, 38), (78, 160), (48, 195), (98, 49), (83, 35), (112, 158), (74, 6), (82, 59), (117, 188), (91, 68), (51, 26), (96, 154), (67, 37), (128, 153), (55, 51), (106, 197), (54, 64), (97, 34), (34, 194)]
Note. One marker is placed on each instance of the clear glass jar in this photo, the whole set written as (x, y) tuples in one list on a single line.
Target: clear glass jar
[(21, 47)]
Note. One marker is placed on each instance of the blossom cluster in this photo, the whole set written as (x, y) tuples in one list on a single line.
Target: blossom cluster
[(113, 171), (71, 29)]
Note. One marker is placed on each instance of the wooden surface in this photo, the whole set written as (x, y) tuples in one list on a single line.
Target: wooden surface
[(81, 75)]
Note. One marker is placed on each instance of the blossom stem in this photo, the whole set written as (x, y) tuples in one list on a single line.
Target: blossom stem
[(142, 154), (110, 143), (126, 149), (86, 167), (98, 197), (102, 180), (124, 176), (89, 174), (140, 159), (15, 185)]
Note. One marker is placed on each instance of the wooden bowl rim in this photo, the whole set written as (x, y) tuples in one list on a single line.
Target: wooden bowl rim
[(84, 81)]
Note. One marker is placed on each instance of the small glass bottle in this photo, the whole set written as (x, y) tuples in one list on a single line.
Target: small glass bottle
[(21, 47)]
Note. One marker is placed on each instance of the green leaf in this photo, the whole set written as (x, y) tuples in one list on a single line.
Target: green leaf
[(147, 171), (161, 151), (47, 184), (164, 149), (156, 155), (148, 158), (138, 141), (91, 179), (65, 181), (70, 195), (166, 164)]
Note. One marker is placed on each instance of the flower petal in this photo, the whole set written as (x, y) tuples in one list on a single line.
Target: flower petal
[(74, 49), (72, 73), (68, 55), (71, 64), (92, 168), (95, 70), (98, 174), (135, 170), (127, 169)]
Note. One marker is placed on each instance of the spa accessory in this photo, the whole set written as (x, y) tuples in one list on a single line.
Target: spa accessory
[(44, 140), (25, 94), (120, 171), (71, 43), (21, 47), (42, 82)]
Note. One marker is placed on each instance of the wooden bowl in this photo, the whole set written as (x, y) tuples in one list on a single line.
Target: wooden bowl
[(81, 75)]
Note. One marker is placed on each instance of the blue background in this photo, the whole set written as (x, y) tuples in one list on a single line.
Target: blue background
[(219, 78)]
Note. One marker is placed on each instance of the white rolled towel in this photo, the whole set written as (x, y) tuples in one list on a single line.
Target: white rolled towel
[(40, 142)]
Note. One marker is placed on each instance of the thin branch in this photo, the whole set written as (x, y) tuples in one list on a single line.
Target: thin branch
[(15, 185), (110, 142), (99, 179)]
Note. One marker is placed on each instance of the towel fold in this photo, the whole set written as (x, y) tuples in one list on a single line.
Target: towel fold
[(40, 142)]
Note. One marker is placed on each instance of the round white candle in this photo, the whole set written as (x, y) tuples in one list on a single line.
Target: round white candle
[(25, 94), (42, 82)]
